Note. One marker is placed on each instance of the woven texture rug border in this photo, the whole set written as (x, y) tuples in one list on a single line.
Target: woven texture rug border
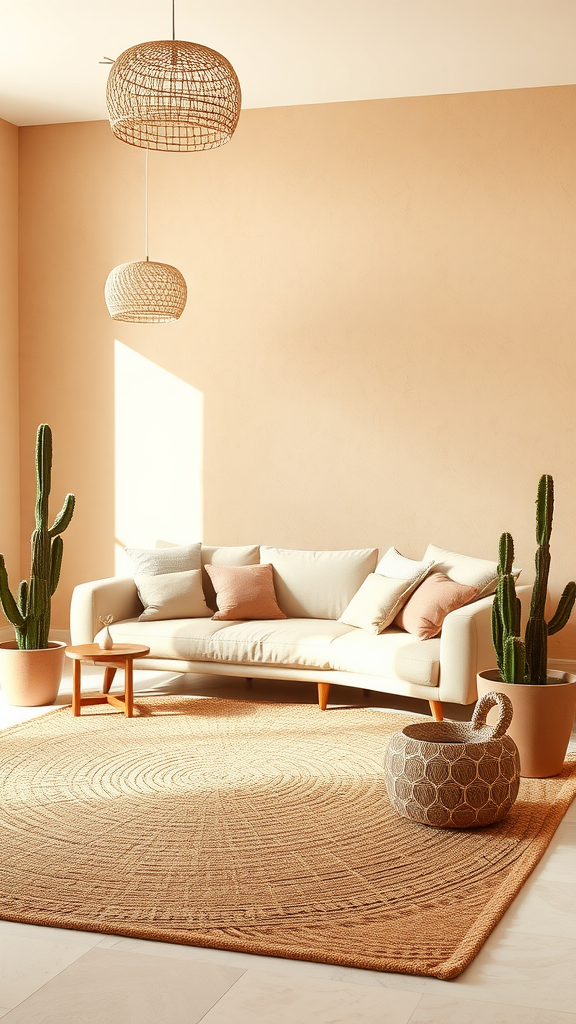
[(452, 966)]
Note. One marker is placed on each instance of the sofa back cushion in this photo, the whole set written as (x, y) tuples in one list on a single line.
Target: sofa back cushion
[(317, 584), (223, 555)]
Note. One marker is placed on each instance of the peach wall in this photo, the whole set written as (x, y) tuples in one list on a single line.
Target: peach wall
[(381, 324), (9, 427)]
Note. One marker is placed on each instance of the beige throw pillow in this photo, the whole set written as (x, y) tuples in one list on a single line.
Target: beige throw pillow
[(317, 584), (156, 561), (377, 602), (172, 595)]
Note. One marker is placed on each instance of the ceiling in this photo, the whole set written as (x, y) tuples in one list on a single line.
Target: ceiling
[(286, 52)]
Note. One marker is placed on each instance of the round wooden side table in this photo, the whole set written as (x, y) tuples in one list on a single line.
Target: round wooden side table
[(119, 656)]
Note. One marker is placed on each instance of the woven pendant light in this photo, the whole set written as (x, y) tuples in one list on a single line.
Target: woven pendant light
[(145, 292), (173, 95)]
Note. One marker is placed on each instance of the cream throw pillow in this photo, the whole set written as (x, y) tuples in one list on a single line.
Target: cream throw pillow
[(377, 603), (471, 572), (154, 561), (317, 584), (398, 567), (172, 595)]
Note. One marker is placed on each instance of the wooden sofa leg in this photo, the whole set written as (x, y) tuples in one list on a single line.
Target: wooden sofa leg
[(109, 673), (323, 691), (436, 709)]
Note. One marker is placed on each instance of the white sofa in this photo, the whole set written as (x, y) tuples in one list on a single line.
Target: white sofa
[(305, 647)]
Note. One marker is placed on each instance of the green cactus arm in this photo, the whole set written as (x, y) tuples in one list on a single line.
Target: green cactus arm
[(509, 606), (564, 609), (43, 473), (544, 509), (56, 563), (506, 554), (64, 516), (9, 605), (23, 597), (514, 660), (497, 635)]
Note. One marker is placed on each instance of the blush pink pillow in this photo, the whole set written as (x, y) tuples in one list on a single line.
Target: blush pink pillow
[(425, 611), (244, 592)]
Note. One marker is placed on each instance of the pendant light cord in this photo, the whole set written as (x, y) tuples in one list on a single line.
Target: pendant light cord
[(146, 206)]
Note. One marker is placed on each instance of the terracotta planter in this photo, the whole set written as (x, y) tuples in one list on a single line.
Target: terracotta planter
[(31, 678), (542, 722)]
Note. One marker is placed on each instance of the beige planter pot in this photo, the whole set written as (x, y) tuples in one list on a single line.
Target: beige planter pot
[(542, 722), (31, 678)]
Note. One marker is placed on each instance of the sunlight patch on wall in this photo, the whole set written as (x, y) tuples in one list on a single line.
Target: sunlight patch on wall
[(158, 447)]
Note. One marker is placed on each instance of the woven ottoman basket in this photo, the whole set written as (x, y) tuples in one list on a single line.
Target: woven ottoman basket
[(452, 774)]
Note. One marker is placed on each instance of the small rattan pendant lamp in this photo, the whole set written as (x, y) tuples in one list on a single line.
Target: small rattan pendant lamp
[(145, 292), (173, 95)]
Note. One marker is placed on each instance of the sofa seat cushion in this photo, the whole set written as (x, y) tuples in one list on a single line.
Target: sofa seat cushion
[(300, 643), (393, 654), (184, 639)]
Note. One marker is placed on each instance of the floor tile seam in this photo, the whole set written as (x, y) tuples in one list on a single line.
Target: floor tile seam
[(538, 1002), (229, 989), (507, 1005), (553, 933), (417, 1007), (53, 976)]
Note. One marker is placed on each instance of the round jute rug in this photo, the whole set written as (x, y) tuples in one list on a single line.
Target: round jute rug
[(263, 828)]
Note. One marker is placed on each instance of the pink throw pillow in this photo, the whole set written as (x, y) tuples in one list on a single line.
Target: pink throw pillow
[(425, 611), (244, 592)]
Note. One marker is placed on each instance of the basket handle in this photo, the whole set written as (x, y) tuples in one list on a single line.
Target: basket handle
[(489, 700)]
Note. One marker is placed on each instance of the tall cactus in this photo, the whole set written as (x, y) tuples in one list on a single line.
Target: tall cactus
[(537, 629), (525, 661), (30, 612)]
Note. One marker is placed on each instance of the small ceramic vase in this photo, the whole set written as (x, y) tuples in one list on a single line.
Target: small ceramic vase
[(106, 642)]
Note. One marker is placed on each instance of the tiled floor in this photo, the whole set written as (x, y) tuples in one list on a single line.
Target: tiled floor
[(525, 973)]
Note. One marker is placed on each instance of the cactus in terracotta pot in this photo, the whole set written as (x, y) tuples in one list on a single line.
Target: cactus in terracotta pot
[(29, 612), (525, 661)]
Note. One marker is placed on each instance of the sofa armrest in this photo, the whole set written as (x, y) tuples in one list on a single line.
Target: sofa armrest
[(466, 647), (116, 596)]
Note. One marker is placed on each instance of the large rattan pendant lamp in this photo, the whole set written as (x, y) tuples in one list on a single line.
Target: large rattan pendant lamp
[(173, 95), (145, 292)]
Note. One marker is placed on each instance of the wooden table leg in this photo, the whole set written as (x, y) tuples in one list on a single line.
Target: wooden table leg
[(76, 687), (109, 673), (128, 687)]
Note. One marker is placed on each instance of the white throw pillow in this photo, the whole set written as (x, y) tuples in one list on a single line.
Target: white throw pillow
[(398, 567), (317, 584), (472, 572), (156, 561), (172, 595), (377, 602)]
